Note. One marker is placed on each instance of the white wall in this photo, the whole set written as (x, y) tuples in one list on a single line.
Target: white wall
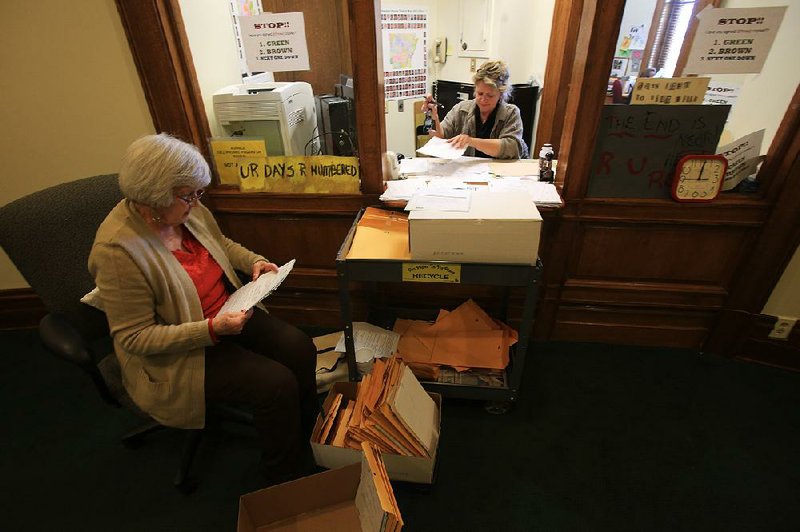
[(212, 40), (71, 98)]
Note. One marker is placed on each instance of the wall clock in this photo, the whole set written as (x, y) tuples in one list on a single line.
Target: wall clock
[(699, 177)]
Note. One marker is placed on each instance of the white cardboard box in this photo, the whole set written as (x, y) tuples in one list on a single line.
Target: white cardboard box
[(404, 468), (500, 227)]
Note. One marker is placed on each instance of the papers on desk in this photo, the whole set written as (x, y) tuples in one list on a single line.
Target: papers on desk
[(254, 292), (541, 193), (437, 147), (440, 200), (428, 167)]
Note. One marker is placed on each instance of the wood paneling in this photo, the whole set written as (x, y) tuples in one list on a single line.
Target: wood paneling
[(327, 37), (20, 308)]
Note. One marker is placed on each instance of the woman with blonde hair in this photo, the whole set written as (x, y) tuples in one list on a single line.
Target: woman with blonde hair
[(487, 126)]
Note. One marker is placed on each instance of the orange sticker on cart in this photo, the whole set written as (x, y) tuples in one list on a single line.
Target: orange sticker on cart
[(422, 272)]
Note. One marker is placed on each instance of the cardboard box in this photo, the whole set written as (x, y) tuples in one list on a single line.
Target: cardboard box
[(339, 500), (404, 468), (500, 227)]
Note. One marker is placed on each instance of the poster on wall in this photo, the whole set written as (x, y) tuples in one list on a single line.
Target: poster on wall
[(743, 156), (275, 42), (733, 40), (634, 39), (619, 67), (636, 62), (405, 53)]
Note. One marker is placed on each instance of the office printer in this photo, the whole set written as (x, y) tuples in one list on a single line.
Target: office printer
[(283, 113)]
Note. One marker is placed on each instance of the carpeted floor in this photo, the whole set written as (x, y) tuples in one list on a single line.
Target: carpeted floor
[(603, 438)]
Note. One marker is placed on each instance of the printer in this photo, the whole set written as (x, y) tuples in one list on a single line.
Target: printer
[(282, 113)]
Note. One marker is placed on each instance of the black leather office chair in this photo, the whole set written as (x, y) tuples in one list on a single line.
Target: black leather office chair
[(48, 236)]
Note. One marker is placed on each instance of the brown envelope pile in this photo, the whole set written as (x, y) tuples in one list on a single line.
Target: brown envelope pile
[(465, 338), (391, 411), (381, 234), (392, 521)]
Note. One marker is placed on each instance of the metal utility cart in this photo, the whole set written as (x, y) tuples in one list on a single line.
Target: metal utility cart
[(500, 393)]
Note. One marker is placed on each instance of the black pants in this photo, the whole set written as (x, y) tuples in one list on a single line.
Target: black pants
[(270, 366)]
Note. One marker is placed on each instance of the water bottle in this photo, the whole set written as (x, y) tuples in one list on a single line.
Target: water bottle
[(546, 155)]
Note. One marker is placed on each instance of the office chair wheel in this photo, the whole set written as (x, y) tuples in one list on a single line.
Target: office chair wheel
[(498, 407)]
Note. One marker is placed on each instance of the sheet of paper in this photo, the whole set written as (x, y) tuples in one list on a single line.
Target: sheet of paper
[(402, 189), (521, 167), (371, 340), (463, 166), (541, 193), (253, 292), (437, 147), (413, 165), (443, 200)]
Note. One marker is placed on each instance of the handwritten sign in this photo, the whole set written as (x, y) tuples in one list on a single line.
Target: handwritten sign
[(669, 91), (431, 273), (318, 174), (733, 40), (275, 42), (638, 146), (228, 152), (743, 158)]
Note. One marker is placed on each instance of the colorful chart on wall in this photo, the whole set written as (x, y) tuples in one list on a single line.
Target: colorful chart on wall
[(405, 53), (638, 146)]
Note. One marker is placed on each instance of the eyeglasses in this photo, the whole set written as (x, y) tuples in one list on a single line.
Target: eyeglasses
[(191, 197)]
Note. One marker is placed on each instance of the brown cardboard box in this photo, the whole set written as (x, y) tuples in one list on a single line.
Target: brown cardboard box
[(339, 500), (404, 468), (500, 227)]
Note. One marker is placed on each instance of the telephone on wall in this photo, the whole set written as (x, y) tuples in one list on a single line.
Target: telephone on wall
[(440, 55)]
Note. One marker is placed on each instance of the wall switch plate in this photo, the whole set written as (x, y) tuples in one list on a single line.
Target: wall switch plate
[(783, 328), (473, 65)]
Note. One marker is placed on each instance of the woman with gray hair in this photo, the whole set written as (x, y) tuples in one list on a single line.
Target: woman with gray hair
[(163, 270), (487, 126)]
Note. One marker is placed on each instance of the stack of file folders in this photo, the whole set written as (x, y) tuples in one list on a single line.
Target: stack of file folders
[(391, 411)]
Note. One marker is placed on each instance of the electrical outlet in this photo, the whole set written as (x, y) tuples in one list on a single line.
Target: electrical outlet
[(473, 64), (782, 329)]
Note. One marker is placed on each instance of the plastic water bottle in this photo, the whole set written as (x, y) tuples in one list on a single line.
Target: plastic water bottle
[(546, 155)]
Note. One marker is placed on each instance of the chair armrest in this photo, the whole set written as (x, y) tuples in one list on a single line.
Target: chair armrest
[(60, 337)]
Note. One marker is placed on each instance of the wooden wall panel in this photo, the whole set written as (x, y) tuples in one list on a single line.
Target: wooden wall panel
[(654, 252)]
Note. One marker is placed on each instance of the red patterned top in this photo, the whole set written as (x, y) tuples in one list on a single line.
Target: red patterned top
[(205, 272)]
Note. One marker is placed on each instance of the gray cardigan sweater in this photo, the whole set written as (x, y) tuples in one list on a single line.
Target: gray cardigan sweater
[(507, 127), (154, 311)]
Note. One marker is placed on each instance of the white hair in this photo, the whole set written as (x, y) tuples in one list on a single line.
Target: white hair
[(154, 165), (495, 74)]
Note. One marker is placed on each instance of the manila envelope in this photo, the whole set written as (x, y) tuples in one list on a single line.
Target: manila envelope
[(381, 234)]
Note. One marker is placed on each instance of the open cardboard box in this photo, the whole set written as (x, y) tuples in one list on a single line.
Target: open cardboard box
[(339, 500), (403, 468)]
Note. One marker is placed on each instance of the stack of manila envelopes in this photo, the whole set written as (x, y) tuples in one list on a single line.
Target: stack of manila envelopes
[(465, 338), (381, 234), (391, 411)]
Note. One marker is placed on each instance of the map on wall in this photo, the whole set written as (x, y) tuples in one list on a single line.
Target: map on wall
[(405, 52)]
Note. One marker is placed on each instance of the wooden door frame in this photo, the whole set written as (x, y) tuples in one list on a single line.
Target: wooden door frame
[(161, 53)]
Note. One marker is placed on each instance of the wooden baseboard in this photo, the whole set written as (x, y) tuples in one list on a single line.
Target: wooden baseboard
[(20, 308)]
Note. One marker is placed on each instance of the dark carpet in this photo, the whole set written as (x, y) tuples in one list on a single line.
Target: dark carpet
[(603, 438)]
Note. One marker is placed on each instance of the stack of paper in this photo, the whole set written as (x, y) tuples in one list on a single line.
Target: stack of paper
[(391, 411), (375, 475), (380, 234), (462, 339)]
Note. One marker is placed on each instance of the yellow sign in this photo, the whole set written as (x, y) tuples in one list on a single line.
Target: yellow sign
[(418, 272), (229, 152), (313, 174), (669, 91)]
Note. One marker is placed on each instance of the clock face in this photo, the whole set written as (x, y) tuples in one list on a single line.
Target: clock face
[(699, 177)]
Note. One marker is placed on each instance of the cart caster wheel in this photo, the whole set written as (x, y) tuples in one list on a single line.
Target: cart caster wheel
[(498, 407)]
